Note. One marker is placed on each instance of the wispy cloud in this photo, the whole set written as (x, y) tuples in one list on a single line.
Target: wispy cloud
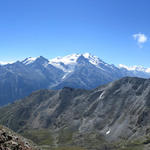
[(140, 38)]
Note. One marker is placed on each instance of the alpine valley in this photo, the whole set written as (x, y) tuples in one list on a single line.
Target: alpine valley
[(84, 71)]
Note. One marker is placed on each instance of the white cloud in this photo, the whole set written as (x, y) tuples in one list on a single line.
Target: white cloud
[(140, 38)]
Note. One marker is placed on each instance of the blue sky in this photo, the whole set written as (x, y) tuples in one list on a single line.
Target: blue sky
[(117, 31)]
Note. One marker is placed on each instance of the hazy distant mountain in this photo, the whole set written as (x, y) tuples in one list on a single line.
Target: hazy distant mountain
[(88, 71), (117, 112), (85, 71), (137, 70), (19, 79)]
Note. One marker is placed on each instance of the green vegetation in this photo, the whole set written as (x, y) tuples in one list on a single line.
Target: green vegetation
[(45, 139), (41, 137), (68, 148), (136, 144), (132, 148), (65, 140), (65, 136)]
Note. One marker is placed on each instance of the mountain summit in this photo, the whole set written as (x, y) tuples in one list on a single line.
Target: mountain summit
[(84, 71), (72, 60)]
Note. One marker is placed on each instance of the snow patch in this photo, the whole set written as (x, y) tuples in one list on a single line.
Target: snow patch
[(108, 132), (29, 60), (101, 95), (66, 75)]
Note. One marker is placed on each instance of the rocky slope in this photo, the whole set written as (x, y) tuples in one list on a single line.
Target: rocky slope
[(113, 113), (21, 78), (12, 141)]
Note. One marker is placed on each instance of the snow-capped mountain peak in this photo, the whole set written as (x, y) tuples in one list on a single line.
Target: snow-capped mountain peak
[(71, 60), (29, 60), (135, 68), (65, 63), (93, 59)]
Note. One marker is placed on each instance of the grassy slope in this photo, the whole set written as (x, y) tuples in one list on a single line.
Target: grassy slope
[(65, 140)]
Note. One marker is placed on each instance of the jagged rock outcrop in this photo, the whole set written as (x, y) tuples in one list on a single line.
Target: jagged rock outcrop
[(12, 141)]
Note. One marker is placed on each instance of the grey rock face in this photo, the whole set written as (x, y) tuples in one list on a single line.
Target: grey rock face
[(119, 110)]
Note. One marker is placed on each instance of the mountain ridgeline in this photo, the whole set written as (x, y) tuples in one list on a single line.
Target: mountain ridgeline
[(101, 119), (85, 71)]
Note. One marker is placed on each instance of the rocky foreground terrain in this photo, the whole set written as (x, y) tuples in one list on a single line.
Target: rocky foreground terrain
[(115, 116), (12, 141)]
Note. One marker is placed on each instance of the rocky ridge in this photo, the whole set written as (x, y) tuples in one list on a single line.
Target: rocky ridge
[(12, 141)]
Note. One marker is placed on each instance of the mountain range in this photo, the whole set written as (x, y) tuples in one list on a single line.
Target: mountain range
[(110, 117), (85, 71)]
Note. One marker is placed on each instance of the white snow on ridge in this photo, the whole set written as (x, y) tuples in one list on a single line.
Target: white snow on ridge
[(6, 63), (71, 61), (96, 61), (29, 60), (135, 68), (93, 59), (66, 63)]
